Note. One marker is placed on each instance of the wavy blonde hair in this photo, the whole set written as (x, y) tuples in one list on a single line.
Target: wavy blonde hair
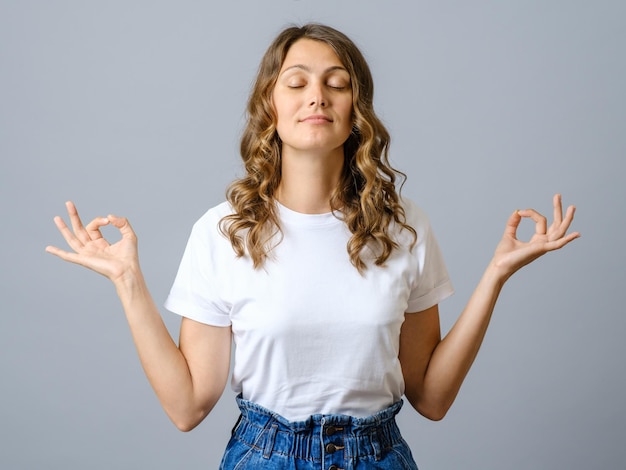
[(366, 197)]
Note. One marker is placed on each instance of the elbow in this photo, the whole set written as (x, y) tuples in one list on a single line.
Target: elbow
[(434, 410), (185, 422), (185, 425), (186, 416), (433, 413)]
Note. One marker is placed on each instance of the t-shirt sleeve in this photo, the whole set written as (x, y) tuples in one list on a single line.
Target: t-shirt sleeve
[(195, 292), (432, 283)]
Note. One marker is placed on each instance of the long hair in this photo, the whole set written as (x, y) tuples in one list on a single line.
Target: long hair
[(366, 195)]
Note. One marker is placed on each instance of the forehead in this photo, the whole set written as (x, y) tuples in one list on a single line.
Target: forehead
[(311, 54)]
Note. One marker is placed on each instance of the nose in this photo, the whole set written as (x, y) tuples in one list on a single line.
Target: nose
[(318, 95)]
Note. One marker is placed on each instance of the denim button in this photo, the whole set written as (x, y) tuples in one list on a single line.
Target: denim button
[(330, 430), (375, 441)]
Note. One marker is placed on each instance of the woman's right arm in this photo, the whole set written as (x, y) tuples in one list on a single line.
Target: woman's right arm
[(188, 379)]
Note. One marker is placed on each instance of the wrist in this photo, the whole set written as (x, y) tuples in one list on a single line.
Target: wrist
[(129, 279), (496, 275)]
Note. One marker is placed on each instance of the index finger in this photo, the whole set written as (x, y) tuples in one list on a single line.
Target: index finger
[(540, 220)]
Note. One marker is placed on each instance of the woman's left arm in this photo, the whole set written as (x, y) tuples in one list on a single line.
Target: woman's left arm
[(435, 368)]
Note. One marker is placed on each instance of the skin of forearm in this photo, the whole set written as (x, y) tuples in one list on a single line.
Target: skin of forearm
[(163, 362), (454, 355)]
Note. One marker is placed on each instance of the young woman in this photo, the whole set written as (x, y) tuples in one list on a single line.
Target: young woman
[(325, 279)]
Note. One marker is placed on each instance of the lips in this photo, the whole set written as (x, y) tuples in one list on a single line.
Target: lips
[(317, 119)]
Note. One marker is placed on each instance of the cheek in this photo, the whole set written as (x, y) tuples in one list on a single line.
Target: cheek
[(282, 109), (347, 109), (283, 114), (282, 120), (347, 112)]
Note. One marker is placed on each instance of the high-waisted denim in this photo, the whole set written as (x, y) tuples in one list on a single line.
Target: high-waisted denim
[(264, 439)]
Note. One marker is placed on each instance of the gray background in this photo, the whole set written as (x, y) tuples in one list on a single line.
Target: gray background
[(136, 107)]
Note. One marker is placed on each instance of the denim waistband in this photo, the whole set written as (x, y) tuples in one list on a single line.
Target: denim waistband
[(318, 435)]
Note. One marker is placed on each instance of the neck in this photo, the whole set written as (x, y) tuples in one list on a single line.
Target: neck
[(308, 180)]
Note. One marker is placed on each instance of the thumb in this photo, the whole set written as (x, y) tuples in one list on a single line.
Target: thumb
[(122, 224)]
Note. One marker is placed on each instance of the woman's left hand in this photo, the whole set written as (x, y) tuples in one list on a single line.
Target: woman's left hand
[(512, 254)]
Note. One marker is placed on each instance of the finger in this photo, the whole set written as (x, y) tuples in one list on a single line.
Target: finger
[(67, 234), (64, 255), (559, 227), (561, 230), (569, 217), (558, 209), (53, 250), (93, 227), (123, 225), (512, 224), (561, 242), (540, 220), (77, 224)]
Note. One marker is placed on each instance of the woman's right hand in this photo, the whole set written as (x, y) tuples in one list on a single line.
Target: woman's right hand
[(92, 250)]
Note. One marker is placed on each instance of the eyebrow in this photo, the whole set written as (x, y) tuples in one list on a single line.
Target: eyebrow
[(308, 69)]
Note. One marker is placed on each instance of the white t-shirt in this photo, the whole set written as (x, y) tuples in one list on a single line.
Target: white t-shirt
[(311, 334)]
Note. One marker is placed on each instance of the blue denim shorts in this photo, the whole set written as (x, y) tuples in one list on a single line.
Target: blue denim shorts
[(264, 439)]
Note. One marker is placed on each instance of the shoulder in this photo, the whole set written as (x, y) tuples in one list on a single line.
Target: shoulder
[(211, 218), (206, 230), (416, 217)]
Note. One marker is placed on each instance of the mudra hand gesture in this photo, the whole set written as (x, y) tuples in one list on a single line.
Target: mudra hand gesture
[(512, 254), (92, 250)]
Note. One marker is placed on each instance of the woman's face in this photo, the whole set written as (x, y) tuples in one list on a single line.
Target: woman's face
[(312, 99)]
